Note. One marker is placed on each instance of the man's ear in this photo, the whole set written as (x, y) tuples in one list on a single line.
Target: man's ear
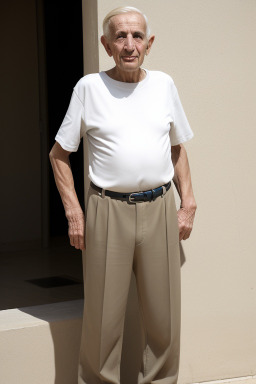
[(150, 42), (104, 42)]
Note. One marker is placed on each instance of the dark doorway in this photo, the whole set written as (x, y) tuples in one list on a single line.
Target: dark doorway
[(64, 65), (27, 109)]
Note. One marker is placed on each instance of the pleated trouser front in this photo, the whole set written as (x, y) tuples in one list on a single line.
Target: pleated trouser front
[(122, 237)]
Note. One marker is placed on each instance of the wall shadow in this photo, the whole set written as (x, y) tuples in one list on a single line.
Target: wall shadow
[(65, 323)]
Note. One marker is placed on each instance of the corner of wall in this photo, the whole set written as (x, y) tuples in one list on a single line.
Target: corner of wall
[(90, 36)]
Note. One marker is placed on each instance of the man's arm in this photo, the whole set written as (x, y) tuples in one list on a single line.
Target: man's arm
[(65, 183), (182, 181)]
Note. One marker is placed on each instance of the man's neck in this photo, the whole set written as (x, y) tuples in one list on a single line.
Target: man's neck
[(127, 77)]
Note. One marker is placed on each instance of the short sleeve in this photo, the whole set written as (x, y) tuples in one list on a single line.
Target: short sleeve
[(70, 132), (180, 129)]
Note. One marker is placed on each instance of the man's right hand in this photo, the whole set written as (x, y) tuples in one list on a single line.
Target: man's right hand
[(76, 229)]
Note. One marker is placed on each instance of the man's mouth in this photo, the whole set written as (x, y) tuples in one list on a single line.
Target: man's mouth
[(129, 58)]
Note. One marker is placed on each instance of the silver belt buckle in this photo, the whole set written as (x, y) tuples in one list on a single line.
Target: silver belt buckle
[(131, 197)]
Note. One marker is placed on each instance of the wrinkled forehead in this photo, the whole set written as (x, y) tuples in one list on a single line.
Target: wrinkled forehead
[(126, 22)]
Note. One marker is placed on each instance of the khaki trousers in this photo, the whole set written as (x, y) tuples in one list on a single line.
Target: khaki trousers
[(122, 237)]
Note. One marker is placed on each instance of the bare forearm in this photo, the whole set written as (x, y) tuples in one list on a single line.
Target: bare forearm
[(65, 183), (182, 181), (182, 176), (64, 179)]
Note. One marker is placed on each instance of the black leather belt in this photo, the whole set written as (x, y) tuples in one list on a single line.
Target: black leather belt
[(134, 197)]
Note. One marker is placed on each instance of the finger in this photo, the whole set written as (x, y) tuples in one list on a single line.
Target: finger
[(185, 230), (80, 237), (71, 240), (187, 234), (84, 238), (182, 232), (81, 243), (76, 240)]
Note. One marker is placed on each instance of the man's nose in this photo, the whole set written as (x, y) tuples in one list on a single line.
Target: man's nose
[(129, 44)]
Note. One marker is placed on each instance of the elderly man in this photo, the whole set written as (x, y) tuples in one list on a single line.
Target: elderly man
[(135, 124)]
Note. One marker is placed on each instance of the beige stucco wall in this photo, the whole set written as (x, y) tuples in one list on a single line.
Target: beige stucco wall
[(208, 47)]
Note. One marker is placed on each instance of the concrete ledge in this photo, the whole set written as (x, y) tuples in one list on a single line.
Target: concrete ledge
[(235, 380), (40, 344)]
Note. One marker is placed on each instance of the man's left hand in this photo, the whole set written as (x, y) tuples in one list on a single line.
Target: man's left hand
[(185, 220)]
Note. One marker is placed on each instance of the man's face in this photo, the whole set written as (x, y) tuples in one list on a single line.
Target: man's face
[(127, 41)]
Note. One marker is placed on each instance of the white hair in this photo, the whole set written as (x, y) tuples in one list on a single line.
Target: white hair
[(118, 11)]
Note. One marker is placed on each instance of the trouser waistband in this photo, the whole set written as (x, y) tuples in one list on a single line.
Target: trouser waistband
[(134, 197)]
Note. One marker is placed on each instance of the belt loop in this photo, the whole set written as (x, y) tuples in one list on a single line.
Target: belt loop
[(103, 193), (164, 190)]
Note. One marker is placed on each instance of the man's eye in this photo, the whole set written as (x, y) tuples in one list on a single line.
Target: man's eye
[(137, 36)]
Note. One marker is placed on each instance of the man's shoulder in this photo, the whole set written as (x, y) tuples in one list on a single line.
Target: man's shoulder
[(162, 81), (86, 80), (160, 75), (85, 83)]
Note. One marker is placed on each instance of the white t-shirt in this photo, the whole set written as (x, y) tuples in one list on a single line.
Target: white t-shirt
[(130, 128)]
